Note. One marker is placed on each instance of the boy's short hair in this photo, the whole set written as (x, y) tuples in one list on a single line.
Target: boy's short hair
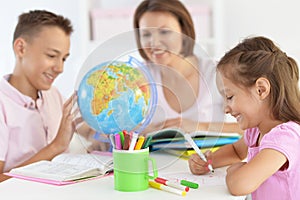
[(31, 23)]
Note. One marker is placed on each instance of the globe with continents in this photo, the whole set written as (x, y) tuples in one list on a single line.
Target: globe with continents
[(116, 96)]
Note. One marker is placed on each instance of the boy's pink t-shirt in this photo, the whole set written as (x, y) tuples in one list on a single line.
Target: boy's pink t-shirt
[(285, 138), (25, 129)]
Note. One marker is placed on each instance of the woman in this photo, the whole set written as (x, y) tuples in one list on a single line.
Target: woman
[(185, 79)]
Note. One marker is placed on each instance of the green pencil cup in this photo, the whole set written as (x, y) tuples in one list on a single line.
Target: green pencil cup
[(131, 170)]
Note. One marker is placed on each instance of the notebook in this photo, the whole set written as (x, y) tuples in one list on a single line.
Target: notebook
[(172, 138)]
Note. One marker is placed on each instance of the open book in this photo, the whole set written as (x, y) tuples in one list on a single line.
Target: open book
[(65, 168), (172, 138)]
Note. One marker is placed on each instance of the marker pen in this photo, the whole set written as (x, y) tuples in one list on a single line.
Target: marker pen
[(133, 141), (171, 184), (166, 188), (139, 143), (196, 148)]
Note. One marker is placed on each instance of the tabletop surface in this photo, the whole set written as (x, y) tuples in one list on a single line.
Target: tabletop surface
[(211, 187)]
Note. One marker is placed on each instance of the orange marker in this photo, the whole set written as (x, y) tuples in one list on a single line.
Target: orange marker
[(139, 143)]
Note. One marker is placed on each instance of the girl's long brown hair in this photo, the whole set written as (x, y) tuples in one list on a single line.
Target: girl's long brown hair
[(259, 57)]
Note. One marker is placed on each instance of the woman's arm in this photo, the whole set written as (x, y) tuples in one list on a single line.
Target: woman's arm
[(190, 126)]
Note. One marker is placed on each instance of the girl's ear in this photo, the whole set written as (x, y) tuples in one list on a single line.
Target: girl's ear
[(262, 87), (19, 46)]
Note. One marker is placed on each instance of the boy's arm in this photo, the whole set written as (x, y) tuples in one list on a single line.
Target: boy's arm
[(2, 176), (64, 135)]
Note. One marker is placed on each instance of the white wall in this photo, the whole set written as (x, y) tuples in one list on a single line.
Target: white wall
[(276, 19)]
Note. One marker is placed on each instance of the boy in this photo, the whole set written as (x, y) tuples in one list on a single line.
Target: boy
[(34, 122)]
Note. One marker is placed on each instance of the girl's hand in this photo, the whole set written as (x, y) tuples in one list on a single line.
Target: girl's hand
[(197, 165)]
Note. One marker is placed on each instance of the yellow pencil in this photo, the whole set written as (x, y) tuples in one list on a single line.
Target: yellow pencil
[(139, 143)]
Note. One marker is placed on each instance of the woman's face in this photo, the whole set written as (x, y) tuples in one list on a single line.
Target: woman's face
[(160, 37)]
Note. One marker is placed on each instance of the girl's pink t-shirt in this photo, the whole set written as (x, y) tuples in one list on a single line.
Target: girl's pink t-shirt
[(284, 184), (26, 126)]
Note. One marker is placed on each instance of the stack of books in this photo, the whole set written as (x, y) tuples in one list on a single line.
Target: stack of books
[(173, 139)]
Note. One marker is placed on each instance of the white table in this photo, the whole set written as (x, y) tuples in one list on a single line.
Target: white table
[(103, 188)]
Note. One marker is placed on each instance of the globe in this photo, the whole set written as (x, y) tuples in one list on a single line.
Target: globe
[(116, 95)]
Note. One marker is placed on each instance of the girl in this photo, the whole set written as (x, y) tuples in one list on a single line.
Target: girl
[(259, 84)]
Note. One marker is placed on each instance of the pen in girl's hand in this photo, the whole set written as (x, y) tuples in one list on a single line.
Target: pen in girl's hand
[(195, 147)]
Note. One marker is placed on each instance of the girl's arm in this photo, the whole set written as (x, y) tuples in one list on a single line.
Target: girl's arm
[(226, 155), (229, 154), (245, 178)]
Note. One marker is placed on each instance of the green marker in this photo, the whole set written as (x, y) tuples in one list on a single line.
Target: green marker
[(189, 184), (147, 142), (122, 138)]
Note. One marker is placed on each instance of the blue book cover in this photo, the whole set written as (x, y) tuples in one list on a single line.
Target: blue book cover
[(200, 142)]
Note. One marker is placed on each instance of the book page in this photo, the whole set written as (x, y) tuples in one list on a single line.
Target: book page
[(55, 171), (102, 162)]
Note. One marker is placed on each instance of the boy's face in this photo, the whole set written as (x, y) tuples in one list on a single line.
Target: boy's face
[(43, 57)]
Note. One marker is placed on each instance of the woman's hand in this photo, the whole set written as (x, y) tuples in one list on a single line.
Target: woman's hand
[(197, 165), (185, 124)]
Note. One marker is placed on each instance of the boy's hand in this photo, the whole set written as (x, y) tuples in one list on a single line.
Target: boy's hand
[(67, 124)]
